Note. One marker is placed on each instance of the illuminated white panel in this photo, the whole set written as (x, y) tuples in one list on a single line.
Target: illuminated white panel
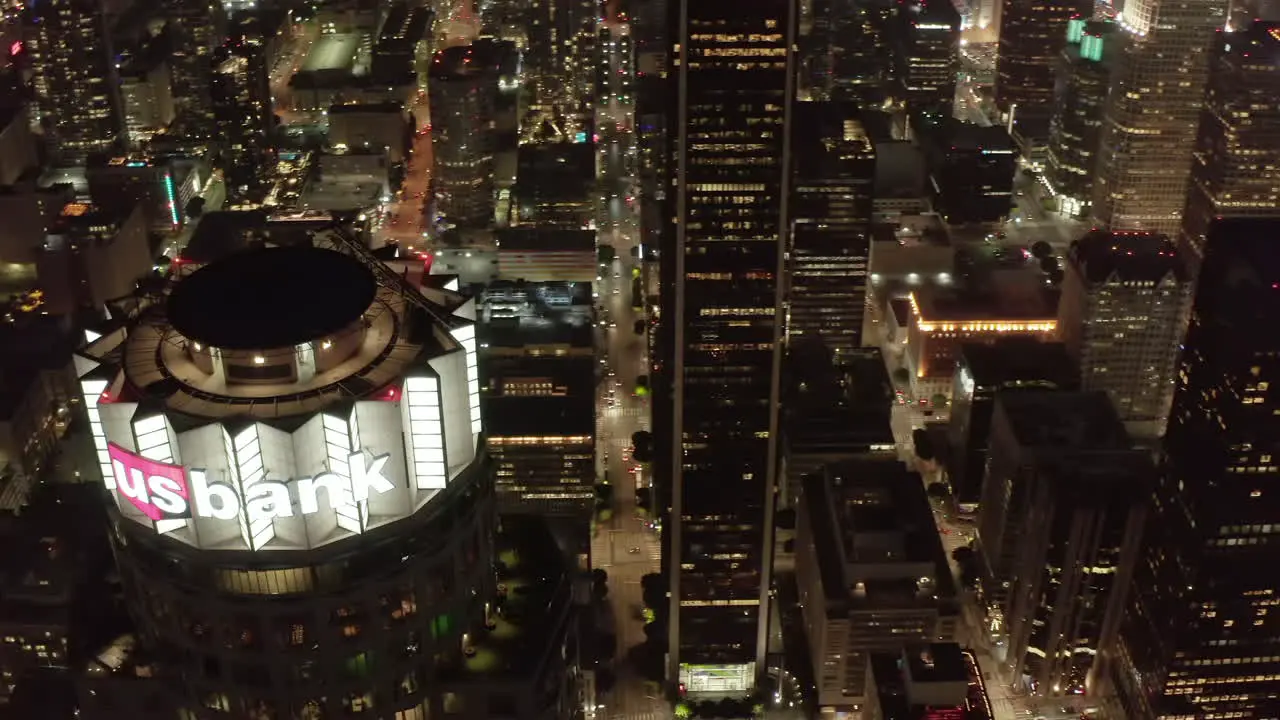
[(248, 463), (92, 391), (156, 441), (426, 436), (466, 336), (353, 426), (337, 441)]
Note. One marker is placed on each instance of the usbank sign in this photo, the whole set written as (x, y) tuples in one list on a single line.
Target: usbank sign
[(162, 491)]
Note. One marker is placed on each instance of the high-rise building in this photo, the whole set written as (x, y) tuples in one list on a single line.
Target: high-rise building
[(1032, 34), (833, 166), (463, 88), (1236, 164), (403, 47), (722, 332), (562, 60), (1153, 110), (871, 574), (972, 169), (983, 373), (77, 92), (195, 29), (1062, 520), (1084, 77), (91, 255), (302, 512), (146, 91), (242, 111), (538, 391), (1125, 301), (832, 413), (926, 59), (861, 56), (1199, 637)]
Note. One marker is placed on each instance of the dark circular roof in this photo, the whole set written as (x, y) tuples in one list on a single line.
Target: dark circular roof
[(271, 298)]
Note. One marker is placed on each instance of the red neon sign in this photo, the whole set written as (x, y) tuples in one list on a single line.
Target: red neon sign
[(159, 490)]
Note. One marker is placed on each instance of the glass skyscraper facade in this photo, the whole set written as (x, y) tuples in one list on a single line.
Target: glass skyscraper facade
[(1236, 164), (732, 75), (1200, 637), (1149, 127)]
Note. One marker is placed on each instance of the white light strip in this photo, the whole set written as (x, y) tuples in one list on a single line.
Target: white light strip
[(426, 432), (337, 441), (466, 336), (92, 391), (255, 527)]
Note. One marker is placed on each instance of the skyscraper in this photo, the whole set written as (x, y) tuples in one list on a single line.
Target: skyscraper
[(1125, 301), (1236, 164), (195, 28), (77, 91), (834, 169), (1084, 76), (242, 112), (335, 532), (723, 331), (1199, 639), (463, 87), (927, 58), (1157, 85), (1070, 489), (1032, 34)]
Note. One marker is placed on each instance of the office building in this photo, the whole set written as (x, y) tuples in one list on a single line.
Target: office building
[(146, 91), (1032, 34), (242, 109), (55, 558), (538, 392), (832, 412), (562, 53), (984, 373), (971, 170), (463, 89), (74, 76), (928, 681), (871, 572), (547, 254), (288, 473), (91, 255), (833, 175), (162, 186), (1084, 74), (721, 333), (926, 59), (372, 126), (861, 52), (37, 389), (556, 185), (1125, 302), (1149, 126), (1197, 639), (1078, 490), (404, 45), (195, 30), (1236, 164), (940, 321), (17, 143)]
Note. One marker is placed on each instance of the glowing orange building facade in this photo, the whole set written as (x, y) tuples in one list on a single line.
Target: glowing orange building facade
[(934, 336)]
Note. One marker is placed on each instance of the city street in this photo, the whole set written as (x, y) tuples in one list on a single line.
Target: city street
[(291, 58), (404, 217), (624, 545)]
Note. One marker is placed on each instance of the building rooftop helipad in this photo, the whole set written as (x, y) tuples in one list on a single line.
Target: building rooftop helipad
[(271, 298)]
